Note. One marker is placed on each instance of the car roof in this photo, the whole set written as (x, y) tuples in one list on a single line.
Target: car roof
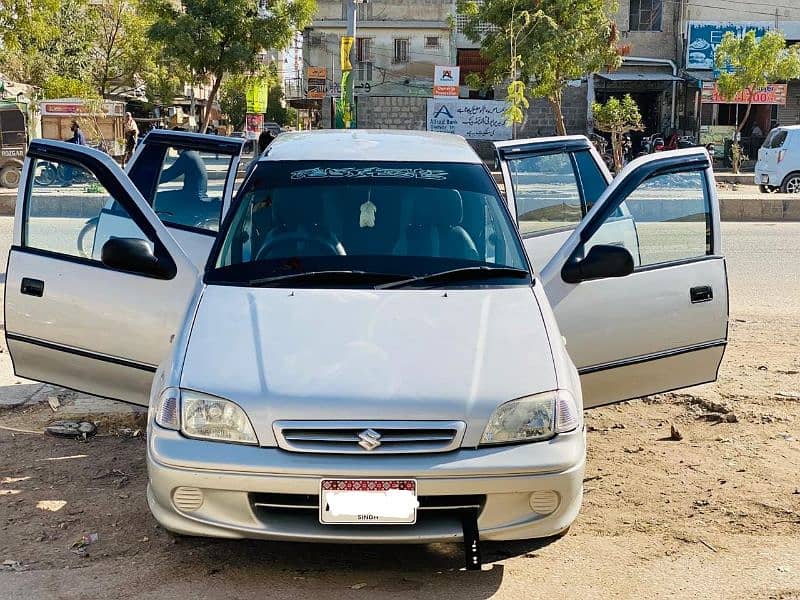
[(372, 145)]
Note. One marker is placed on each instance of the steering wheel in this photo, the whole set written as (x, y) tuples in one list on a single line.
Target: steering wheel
[(327, 246)]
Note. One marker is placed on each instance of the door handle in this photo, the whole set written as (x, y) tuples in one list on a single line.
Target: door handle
[(32, 287), (701, 293)]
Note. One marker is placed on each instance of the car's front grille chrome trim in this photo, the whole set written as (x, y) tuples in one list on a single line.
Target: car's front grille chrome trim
[(369, 437)]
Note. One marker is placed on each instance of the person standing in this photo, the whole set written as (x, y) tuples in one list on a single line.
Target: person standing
[(77, 138), (131, 132)]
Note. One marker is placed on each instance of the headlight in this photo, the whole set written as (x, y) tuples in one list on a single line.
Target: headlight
[(532, 418), (202, 416), (212, 418)]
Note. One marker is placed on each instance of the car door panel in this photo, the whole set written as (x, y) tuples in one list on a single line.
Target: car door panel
[(92, 328), (663, 326)]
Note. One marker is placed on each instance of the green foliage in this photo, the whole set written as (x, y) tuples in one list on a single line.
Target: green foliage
[(210, 38), (23, 22), (87, 48), (516, 102), (57, 86), (748, 63), (275, 111), (544, 48), (617, 118)]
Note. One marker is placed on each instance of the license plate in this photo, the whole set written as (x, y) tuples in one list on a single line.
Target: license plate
[(368, 501)]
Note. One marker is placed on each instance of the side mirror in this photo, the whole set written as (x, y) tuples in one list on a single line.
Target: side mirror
[(601, 262), (136, 256)]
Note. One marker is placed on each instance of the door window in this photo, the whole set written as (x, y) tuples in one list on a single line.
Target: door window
[(190, 189), (667, 218), (546, 192), (65, 205)]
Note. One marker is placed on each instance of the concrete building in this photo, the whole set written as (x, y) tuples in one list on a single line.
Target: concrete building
[(397, 46)]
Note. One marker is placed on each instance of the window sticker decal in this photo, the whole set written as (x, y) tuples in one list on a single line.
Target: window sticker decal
[(369, 172)]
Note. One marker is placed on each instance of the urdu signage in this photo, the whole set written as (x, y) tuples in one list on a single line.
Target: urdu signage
[(472, 119)]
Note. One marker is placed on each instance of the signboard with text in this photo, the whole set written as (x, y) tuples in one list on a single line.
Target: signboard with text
[(445, 81), (774, 93), (317, 77), (473, 119), (703, 38)]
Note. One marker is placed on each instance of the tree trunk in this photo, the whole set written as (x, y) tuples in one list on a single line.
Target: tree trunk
[(736, 163), (555, 104), (616, 149), (210, 102)]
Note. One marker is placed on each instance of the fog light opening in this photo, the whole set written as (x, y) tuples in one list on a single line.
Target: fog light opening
[(544, 502), (187, 499)]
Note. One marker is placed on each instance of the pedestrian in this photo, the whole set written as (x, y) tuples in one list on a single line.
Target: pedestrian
[(77, 138), (191, 167), (131, 132), (264, 140)]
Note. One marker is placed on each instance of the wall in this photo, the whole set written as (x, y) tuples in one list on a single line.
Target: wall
[(650, 44), (790, 114), (398, 112)]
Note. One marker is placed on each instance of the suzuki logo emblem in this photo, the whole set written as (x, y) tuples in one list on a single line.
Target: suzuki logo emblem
[(370, 439)]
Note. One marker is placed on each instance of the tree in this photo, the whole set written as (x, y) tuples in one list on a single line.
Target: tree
[(748, 64), (120, 49), (558, 41), (213, 37), (617, 118)]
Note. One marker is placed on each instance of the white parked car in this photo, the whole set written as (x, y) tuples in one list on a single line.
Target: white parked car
[(377, 346), (778, 165)]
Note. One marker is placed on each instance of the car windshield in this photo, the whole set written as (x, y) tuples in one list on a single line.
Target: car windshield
[(363, 223)]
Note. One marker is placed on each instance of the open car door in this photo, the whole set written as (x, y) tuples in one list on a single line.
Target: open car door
[(99, 323), (188, 179), (638, 325), (550, 185)]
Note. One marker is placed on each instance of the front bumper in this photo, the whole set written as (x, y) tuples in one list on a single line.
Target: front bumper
[(230, 476)]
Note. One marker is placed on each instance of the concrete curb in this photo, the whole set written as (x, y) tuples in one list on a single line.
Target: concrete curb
[(765, 207)]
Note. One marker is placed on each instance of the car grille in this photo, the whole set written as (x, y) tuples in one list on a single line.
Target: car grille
[(310, 502), (369, 437)]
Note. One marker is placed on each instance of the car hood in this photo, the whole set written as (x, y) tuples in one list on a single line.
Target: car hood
[(311, 354)]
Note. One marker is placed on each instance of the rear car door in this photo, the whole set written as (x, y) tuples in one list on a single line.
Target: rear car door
[(550, 185), (632, 327), (188, 179), (93, 323)]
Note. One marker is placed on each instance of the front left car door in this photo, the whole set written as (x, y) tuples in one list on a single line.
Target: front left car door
[(99, 323)]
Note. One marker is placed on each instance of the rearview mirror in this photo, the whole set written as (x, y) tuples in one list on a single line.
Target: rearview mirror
[(602, 261), (136, 256)]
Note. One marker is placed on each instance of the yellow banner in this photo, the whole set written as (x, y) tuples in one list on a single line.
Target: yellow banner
[(345, 47)]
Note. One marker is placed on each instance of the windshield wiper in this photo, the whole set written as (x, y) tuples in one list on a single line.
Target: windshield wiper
[(463, 274), (329, 276)]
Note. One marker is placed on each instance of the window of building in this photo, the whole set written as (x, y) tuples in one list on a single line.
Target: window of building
[(646, 15), (401, 50), (431, 41), (364, 58)]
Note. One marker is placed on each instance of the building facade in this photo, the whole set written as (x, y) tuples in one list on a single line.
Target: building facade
[(667, 64)]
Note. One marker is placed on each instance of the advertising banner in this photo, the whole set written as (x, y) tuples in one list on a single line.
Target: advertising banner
[(256, 94), (254, 125), (774, 93), (473, 119), (317, 77), (445, 81), (703, 38)]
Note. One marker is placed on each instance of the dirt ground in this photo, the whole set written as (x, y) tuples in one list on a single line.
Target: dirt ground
[(715, 514)]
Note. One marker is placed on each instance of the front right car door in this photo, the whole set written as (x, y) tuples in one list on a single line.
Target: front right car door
[(639, 325)]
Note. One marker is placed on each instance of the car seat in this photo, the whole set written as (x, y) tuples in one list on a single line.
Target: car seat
[(299, 214), (434, 227)]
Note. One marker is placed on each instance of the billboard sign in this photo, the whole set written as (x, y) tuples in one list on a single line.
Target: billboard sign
[(317, 77), (703, 38), (473, 119), (445, 81), (774, 93)]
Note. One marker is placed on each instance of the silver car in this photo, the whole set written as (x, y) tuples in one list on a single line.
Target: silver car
[(377, 345)]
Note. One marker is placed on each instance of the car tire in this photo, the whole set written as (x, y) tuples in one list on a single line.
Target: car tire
[(791, 185), (10, 176), (768, 189)]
